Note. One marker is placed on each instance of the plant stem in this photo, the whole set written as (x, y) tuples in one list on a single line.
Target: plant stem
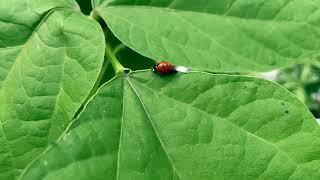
[(94, 15), (118, 48), (305, 73), (118, 68), (111, 59), (300, 92)]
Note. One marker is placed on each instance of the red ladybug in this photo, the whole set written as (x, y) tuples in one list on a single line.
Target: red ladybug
[(163, 68)]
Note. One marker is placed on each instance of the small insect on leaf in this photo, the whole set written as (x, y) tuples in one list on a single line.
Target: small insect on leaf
[(163, 68)]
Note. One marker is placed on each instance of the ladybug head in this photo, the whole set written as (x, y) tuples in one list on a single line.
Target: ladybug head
[(154, 68)]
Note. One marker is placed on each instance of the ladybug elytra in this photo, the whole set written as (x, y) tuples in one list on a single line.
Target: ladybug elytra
[(163, 67)]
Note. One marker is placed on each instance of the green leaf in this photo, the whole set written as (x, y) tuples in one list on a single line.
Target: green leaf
[(191, 126), (50, 57), (18, 20), (220, 36)]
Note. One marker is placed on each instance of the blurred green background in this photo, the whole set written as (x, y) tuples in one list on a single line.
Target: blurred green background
[(303, 80)]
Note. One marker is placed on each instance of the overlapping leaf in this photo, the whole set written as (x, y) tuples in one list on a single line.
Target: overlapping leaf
[(18, 20), (50, 57), (193, 126), (215, 35)]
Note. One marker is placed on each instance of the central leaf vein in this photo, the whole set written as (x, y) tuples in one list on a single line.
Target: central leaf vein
[(120, 137), (153, 126)]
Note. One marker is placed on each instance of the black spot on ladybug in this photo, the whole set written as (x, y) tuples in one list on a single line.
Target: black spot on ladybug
[(163, 68)]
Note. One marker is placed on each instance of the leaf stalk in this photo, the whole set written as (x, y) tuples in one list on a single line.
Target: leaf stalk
[(118, 68), (94, 15), (119, 48)]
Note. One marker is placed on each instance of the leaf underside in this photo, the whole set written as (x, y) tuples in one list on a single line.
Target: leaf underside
[(191, 126)]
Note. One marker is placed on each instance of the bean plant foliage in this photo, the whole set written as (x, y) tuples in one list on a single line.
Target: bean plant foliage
[(58, 121)]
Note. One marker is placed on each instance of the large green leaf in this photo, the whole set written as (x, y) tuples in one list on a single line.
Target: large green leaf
[(50, 57), (18, 20), (216, 35), (192, 126)]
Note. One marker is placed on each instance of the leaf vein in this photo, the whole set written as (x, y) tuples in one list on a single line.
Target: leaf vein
[(249, 133), (153, 126)]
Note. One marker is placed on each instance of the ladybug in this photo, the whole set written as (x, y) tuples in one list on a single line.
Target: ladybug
[(163, 68)]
